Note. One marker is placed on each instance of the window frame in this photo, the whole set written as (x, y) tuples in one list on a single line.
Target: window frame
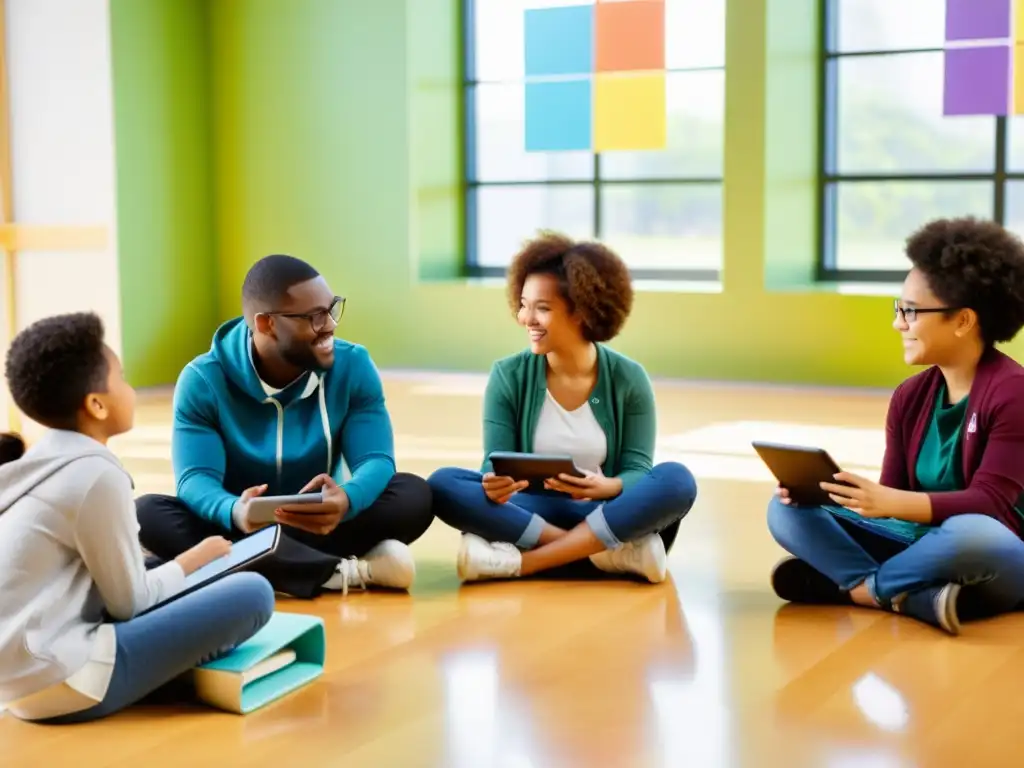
[(826, 269), (471, 265)]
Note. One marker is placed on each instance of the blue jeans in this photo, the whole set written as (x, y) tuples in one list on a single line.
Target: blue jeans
[(160, 646), (974, 550), (655, 504)]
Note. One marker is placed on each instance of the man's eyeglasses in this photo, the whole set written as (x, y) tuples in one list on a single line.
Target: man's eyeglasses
[(910, 313), (317, 320)]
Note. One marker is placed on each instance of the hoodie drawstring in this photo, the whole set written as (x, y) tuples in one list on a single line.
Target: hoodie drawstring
[(280, 436), (325, 422)]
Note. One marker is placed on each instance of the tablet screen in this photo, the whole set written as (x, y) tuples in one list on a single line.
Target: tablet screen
[(241, 551)]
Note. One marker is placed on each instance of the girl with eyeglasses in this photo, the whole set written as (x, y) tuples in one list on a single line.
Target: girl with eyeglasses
[(938, 537)]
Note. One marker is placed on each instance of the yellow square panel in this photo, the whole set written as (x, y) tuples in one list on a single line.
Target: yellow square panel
[(629, 111)]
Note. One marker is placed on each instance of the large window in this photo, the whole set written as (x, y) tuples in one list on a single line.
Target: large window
[(660, 209), (903, 137)]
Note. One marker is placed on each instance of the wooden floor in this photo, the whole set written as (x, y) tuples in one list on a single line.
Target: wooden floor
[(708, 669)]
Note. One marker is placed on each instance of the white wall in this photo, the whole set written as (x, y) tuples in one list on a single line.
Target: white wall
[(62, 134)]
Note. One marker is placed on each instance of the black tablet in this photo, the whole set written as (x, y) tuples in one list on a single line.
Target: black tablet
[(799, 469), (244, 553), (535, 467)]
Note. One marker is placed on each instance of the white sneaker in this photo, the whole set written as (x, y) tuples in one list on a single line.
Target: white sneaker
[(480, 559), (645, 557), (389, 564)]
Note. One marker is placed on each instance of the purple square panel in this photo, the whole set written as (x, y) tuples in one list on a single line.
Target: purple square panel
[(977, 19), (977, 81)]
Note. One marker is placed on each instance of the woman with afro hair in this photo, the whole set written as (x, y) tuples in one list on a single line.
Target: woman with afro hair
[(938, 538), (568, 394)]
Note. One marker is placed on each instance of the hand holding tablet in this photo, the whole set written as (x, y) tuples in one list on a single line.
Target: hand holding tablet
[(800, 471), (240, 556), (514, 472), (532, 467), (810, 477), (501, 488), (206, 551), (262, 509), (591, 487), (318, 508)]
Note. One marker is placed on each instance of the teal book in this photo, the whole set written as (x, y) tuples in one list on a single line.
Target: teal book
[(285, 655)]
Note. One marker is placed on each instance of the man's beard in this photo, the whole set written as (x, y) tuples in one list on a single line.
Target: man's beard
[(303, 356)]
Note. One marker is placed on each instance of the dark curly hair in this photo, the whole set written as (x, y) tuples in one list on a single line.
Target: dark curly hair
[(54, 364), (974, 264), (12, 447), (592, 279)]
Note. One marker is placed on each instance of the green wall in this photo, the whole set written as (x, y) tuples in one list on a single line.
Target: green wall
[(160, 53), (337, 135)]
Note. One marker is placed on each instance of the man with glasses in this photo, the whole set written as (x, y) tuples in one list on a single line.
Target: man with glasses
[(279, 406)]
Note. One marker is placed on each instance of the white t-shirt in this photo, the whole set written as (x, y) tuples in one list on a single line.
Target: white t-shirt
[(83, 690), (576, 433)]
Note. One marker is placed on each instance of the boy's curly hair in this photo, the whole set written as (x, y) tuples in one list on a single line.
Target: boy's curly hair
[(54, 364)]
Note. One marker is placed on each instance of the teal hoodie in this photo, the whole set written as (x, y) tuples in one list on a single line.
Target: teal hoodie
[(232, 431)]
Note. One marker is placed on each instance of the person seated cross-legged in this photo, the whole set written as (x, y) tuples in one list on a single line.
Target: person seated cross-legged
[(938, 538), (273, 409), (86, 630), (568, 394)]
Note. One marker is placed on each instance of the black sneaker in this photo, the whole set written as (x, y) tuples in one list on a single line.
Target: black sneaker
[(972, 605), (935, 606), (797, 582)]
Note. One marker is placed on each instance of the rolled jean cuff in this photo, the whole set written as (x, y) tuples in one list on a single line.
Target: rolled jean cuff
[(599, 525), (869, 584), (531, 536), (888, 603), (854, 582)]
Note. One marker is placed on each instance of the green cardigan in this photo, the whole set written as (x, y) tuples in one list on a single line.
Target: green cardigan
[(622, 402)]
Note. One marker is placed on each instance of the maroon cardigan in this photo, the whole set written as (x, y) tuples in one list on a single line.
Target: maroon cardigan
[(992, 440)]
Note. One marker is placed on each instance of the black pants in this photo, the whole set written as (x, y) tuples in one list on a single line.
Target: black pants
[(303, 561)]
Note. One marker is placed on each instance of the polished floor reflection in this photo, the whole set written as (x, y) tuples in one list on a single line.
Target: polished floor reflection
[(708, 669)]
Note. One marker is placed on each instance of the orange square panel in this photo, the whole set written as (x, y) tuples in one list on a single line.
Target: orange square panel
[(630, 35)]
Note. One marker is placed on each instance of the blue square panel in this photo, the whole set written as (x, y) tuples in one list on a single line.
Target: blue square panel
[(559, 41), (558, 116)]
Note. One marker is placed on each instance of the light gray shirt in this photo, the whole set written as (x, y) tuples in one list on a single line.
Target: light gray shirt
[(69, 549)]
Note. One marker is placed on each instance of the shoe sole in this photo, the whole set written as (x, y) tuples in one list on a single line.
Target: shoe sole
[(660, 562), (468, 541), (946, 608), (460, 561)]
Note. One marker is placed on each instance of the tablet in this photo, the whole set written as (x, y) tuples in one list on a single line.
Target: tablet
[(799, 469), (262, 508), (244, 553), (535, 467)]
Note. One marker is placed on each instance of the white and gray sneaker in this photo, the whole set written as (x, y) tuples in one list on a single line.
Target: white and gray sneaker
[(480, 559), (645, 557), (390, 564), (932, 605)]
